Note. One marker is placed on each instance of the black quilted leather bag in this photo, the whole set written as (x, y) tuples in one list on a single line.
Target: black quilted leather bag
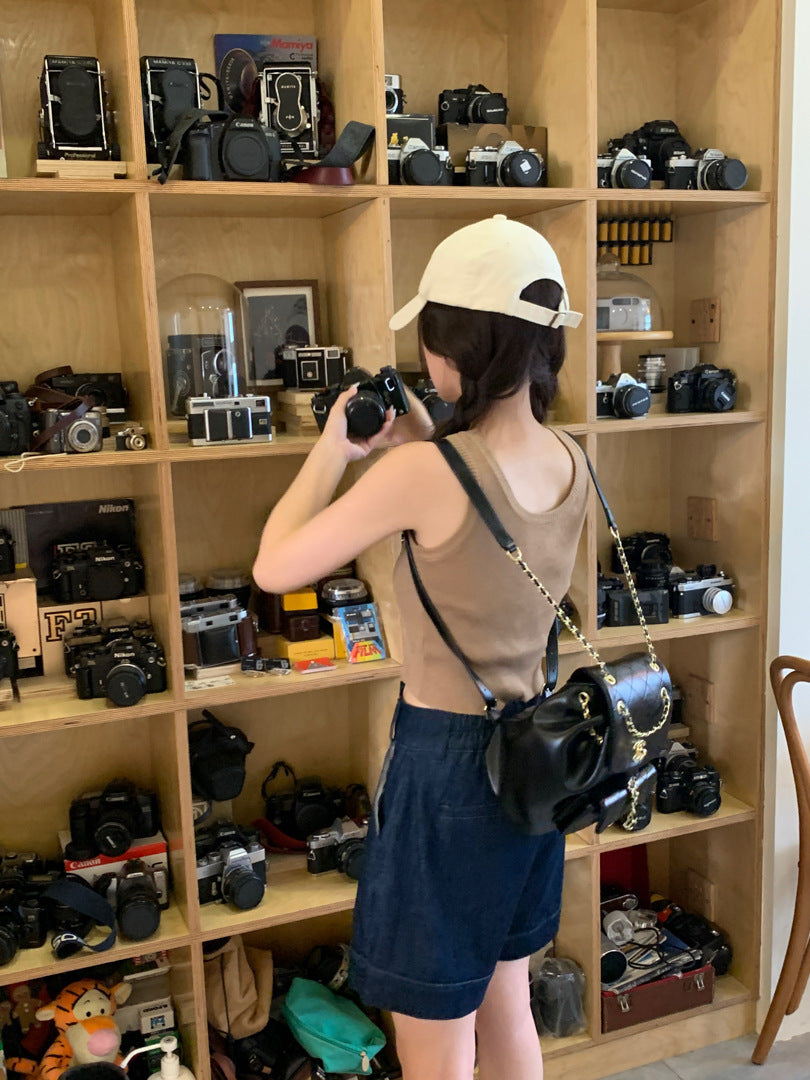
[(580, 756)]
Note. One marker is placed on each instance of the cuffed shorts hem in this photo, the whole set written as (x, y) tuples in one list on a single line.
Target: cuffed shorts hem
[(519, 945), (425, 1001)]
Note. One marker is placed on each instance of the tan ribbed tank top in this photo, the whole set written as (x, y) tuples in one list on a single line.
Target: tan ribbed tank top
[(500, 620)]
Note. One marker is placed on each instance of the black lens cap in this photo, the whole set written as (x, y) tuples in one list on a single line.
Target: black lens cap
[(421, 167), (365, 415), (78, 111), (631, 401), (126, 685), (243, 888), (731, 174), (633, 173), (521, 169), (112, 837), (139, 918), (244, 153)]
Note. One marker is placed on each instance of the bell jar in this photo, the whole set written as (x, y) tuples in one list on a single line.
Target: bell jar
[(625, 303)]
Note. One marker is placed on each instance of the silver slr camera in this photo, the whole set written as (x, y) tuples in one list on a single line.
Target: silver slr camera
[(414, 162), (235, 420), (621, 168), (623, 313), (231, 865), (507, 165)]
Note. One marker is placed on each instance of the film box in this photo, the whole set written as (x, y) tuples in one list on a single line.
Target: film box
[(305, 650)]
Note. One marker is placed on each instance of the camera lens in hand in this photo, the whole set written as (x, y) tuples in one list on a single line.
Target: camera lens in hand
[(365, 414), (242, 888)]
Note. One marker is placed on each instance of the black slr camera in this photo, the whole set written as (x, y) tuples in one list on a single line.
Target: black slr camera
[(289, 106), (340, 847), (8, 562), (438, 409), (365, 412), (657, 141), (197, 365), (646, 552), (74, 121), (697, 933), (224, 147), (25, 914), (15, 420), (616, 600), (136, 893), (305, 809), (104, 389), (100, 572), (93, 634), (170, 86), (472, 105), (507, 165), (107, 822), (685, 784), (9, 669), (231, 865), (313, 367), (123, 671), (703, 388)]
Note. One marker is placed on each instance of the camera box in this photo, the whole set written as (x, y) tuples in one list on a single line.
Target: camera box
[(153, 850), (412, 126), (661, 997), (305, 650), (150, 997), (459, 138), (18, 612), (238, 59)]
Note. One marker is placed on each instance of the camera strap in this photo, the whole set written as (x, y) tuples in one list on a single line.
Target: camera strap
[(42, 396), (170, 151), (80, 897), (353, 141)]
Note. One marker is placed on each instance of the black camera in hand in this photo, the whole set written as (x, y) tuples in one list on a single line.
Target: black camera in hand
[(686, 784), (365, 412), (703, 388), (106, 822), (97, 572), (137, 893), (15, 420), (474, 104), (340, 847), (231, 865)]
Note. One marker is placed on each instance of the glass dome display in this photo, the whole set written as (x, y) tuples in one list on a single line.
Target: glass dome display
[(625, 303), (202, 339)]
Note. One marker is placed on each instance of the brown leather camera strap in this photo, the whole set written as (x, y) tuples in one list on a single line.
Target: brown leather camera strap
[(45, 397), (52, 373)]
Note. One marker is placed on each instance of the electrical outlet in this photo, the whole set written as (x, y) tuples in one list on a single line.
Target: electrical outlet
[(701, 518)]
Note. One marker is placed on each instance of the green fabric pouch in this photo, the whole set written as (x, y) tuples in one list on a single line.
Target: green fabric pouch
[(331, 1028)]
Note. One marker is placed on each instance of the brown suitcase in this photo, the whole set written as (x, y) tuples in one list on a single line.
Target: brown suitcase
[(674, 993)]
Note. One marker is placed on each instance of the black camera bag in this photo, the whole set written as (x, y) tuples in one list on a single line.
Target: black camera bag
[(217, 754), (579, 756)]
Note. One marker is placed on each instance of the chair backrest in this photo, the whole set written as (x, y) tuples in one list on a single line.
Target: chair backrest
[(787, 672)]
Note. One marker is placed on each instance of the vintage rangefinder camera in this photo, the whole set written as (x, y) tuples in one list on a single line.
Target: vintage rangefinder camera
[(15, 420), (313, 367), (340, 847), (106, 822), (365, 412), (105, 389), (233, 419), (289, 106), (622, 396), (81, 435), (216, 631), (623, 313), (394, 95), (621, 168), (231, 865), (472, 105), (97, 572), (685, 784), (414, 162), (507, 165), (703, 591), (74, 121), (170, 86), (704, 388), (233, 148), (136, 893), (199, 365), (123, 671)]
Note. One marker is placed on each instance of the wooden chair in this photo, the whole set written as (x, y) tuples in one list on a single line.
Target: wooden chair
[(786, 673)]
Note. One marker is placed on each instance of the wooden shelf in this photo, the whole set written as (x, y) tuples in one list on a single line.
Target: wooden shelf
[(610, 637), (53, 712), (181, 451), (193, 198), (659, 202), (677, 421), (665, 826), (613, 337)]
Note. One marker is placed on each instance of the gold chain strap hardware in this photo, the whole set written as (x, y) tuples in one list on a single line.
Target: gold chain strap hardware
[(584, 702), (614, 532), (631, 818)]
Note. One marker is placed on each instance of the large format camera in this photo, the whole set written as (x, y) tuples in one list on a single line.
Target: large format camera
[(137, 893), (621, 168), (223, 147), (414, 162), (507, 165), (15, 420), (105, 389), (74, 121), (313, 367), (81, 435), (123, 671), (622, 396), (231, 865), (100, 572), (106, 822), (216, 631), (199, 365), (365, 412), (685, 784), (472, 105), (233, 419), (340, 847), (704, 388), (703, 591), (170, 86)]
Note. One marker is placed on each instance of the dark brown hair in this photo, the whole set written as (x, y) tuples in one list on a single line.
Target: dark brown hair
[(496, 354)]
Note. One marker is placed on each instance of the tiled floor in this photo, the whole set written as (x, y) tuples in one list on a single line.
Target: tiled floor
[(788, 1060)]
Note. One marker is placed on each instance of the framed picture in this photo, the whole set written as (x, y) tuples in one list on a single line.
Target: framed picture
[(276, 313)]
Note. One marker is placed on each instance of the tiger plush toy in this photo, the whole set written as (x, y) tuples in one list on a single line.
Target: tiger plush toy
[(83, 1014)]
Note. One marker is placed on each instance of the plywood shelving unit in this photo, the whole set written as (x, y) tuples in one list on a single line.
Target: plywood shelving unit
[(83, 262)]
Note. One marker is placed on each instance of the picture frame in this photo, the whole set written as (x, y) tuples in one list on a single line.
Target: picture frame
[(276, 313)]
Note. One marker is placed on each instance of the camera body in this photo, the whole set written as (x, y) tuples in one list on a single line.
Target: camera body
[(641, 549), (15, 420), (414, 162), (703, 388), (660, 141), (438, 409), (82, 435), (199, 365), (307, 809), (243, 419), (236, 148), (8, 561), (74, 121), (474, 104), (25, 914), (106, 822), (9, 668), (340, 847), (170, 86), (137, 893), (622, 396), (231, 865), (289, 106), (394, 95), (313, 367), (697, 933), (365, 412), (623, 313), (621, 611), (703, 591), (104, 388), (684, 784), (507, 165), (707, 170), (123, 671), (97, 572), (216, 631), (92, 634), (133, 437), (621, 168)]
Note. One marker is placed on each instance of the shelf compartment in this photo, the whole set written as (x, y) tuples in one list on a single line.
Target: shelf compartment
[(621, 636), (36, 196), (665, 826), (37, 712)]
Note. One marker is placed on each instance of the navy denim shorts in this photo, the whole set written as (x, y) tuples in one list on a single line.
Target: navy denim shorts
[(450, 886)]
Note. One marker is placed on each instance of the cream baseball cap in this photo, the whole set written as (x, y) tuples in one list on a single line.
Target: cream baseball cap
[(485, 267)]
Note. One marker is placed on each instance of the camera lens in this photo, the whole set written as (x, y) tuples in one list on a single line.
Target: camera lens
[(9, 936), (83, 436), (126, 685), (487, 109), (631, 401), (704, 800), (365, 414), (113, 834), (521, 169), (421, 167), (717, 394), (632, 173), (351, 858), (242, 888), (726, 174), (717, 601), (390, 100), (138, 911)]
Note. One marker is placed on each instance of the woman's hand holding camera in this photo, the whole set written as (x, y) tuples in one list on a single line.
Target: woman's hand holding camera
[(415, 425)]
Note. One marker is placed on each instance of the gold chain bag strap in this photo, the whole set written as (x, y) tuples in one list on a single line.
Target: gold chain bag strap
[(582, 755)]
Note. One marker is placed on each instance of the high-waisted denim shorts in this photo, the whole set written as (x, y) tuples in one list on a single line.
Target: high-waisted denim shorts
[(450, 886)]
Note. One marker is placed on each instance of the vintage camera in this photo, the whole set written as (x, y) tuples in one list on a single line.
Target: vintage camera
[(104, 389), (289, 106), (696, 932), (703, 591), (643, 549), (340, 847), (25, 913), (365, 412), (8, 562), (621, 168), (306, 809), (137, 893), (97, 572), (231, 865), (716, 172), (234, 148), (414, 162), (623, 313), (703, 388), (394, 95), (171, 87), (622, 396), (15, 420), (621, 611), (216, 631), (123, 671), (507, 165), (92, 634), (82, 435), (233, 419), (74, 121), (106, 822), (313, 367), (133, 437), (472, 105), (685, 784), (438, 409), (217, 755), (9, 668), (199, 365), (659, 141)]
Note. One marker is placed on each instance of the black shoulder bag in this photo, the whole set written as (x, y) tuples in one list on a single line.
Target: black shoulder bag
[(583, 755)]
